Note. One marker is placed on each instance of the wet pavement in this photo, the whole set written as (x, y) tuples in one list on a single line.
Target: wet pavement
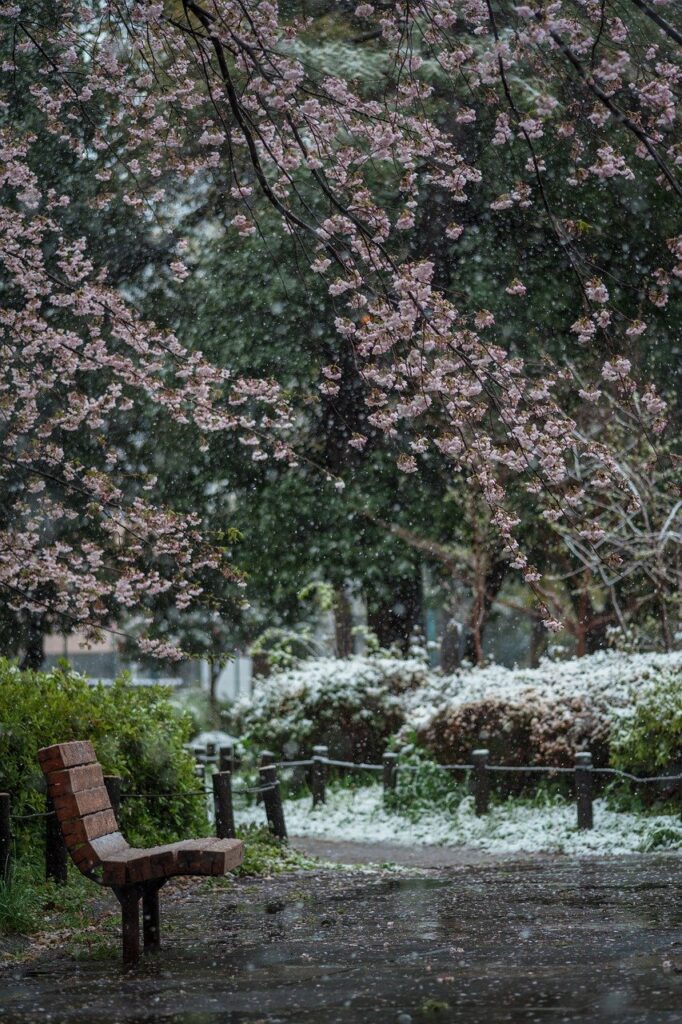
[(532, 941), (414, 855)]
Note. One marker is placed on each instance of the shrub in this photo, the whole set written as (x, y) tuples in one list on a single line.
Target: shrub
[(543, 715), (353, 705), (648, 735), (137, 734), (524, 716), (526, 730)]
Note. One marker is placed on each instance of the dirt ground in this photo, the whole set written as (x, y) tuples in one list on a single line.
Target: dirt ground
[(511, 942)]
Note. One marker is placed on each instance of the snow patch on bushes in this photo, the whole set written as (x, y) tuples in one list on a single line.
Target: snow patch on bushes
[(537, 716), (352, 704), (525, 716), (609, 678)]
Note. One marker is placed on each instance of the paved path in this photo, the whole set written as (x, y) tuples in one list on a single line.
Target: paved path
[(550, 941), (416, 856)]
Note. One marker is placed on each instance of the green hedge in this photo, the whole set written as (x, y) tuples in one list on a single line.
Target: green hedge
[(649, 737), (136, 731)]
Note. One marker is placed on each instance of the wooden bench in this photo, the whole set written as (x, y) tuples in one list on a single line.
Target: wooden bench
[(76, 785)]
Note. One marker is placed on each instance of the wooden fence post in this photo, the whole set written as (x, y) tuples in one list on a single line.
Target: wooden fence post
[(266, 758), (390, 763), (226, 758), (480, 781), (272, 798), (113, 784), (583, 790), (222, 801), (56, 857), (319, 775), (5, 837)]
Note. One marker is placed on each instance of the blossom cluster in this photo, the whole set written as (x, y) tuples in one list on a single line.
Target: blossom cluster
[(154, 95)]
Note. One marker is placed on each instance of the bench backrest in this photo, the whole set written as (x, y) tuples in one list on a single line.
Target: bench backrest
[(76, 785)]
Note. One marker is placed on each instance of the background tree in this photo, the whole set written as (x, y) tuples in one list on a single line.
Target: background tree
[(572, 102)]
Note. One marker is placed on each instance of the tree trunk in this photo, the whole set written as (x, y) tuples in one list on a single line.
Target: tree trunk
[(538, 641), (33, 639), (393, 619), (451, 646), (480, 612), (590, 626), (343, 624), (214, 670)]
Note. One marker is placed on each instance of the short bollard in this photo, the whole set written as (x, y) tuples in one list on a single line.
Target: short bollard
[(226, 758), (390, 763), (113, 784), (583, 790), (266, 757), (222, 802), (272, 798), (319, 775), (5, 837), (480, 781), (56, 857)]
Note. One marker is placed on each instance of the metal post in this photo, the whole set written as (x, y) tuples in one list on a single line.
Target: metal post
[(113, 784), (56, 857), (319, 775), (5, 836), (583, 789), (480, 781), (272, 798), (390, 762), (222, 801)]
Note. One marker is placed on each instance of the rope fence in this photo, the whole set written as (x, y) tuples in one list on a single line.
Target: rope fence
[(221, 793)]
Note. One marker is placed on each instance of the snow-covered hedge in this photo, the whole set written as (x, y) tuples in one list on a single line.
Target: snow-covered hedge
[(542, 715), (524, 716), (352, 705)]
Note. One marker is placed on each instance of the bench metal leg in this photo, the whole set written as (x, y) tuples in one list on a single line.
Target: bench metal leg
[(129, 898), (150, 915)]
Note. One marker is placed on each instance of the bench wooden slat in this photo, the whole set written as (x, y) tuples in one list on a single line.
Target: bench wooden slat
[(87, 801), (208, 856), (110, 844), (75, 780), (91, 855), (66, 755), (91, 826)]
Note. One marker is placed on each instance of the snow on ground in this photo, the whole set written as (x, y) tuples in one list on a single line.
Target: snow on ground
[(512, 827)]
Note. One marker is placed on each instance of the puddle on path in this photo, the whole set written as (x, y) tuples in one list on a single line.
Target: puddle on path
[(588, 941)]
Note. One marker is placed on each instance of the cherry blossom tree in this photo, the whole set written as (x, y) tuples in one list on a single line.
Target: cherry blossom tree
[(155, 98)]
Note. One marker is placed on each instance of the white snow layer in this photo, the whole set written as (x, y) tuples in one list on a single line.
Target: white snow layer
[(609, 679), (612, 681), (512, 827)]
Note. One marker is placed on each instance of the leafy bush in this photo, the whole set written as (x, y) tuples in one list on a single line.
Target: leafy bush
[(648, 736), (137, 734), (524, 716), (542, 715), (353, 705), (518, 732)]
